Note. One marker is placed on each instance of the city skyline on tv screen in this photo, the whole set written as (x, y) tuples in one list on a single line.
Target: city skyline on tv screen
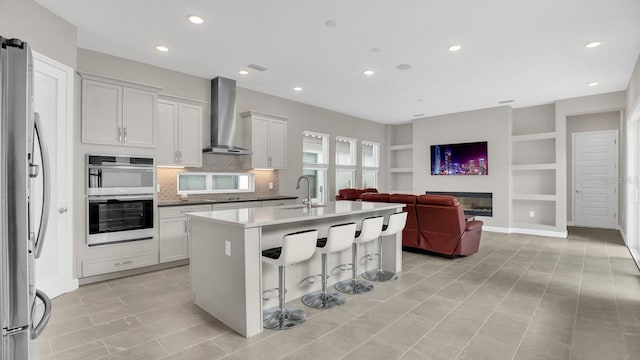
[(460, 159)]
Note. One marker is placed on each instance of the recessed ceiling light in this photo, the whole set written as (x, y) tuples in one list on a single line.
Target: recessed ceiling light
[(330, 24), (243, 72), (368, 72), (376, 50), (592, 44), (403, 67), (454, 48), (297, 88), (162, 48), (195, 19), (593, 83)]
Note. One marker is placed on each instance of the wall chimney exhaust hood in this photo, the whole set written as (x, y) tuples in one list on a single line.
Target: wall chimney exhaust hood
[(223, 119)]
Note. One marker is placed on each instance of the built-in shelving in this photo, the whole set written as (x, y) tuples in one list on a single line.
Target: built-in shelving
[(534, 170), (400, 158)]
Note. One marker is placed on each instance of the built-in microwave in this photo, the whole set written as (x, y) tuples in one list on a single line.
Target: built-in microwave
[(116, 175), (120, 199)]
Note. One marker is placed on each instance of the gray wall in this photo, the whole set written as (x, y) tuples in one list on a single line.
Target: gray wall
[(306, 117), (47, 33), (491, 125), (609, 102), (582, 123)]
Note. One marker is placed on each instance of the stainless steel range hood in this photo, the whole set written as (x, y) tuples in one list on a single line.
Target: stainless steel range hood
[(223, 119)]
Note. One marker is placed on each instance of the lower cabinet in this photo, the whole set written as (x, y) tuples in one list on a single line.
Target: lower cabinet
[(103, 266), (173, 231)]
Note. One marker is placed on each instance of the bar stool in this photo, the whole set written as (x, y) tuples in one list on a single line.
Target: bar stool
[(371, 229), (296, 247), (396, 224), (339, 238)]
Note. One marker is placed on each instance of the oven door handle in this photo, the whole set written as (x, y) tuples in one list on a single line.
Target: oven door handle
[(119, 198)]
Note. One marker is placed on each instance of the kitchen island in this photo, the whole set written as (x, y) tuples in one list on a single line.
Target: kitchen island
[(227, 272)]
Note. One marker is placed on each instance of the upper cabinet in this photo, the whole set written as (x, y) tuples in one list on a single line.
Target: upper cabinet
[(267, 135), (116, 112), (179, 132)]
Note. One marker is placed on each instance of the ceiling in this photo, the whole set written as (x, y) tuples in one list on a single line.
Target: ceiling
[(532, 52)]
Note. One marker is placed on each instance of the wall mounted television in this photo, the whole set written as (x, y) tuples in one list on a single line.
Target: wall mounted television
[(460, 159)]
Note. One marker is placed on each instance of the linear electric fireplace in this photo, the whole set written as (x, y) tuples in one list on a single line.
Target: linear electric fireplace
[(473, 203)]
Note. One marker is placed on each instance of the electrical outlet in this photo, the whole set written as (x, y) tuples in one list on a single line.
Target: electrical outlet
[(227, 247), (270, 186), (532, 213)]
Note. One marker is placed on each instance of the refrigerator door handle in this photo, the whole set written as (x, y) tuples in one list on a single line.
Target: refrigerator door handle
[(46, 194), (38, 329)]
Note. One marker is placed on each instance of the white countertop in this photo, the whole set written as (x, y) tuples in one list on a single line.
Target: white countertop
[(255, 217)]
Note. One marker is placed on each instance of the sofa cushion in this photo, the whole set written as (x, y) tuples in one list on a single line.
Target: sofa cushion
[(350, 194), (376, 197), (437, 200), (402, 198), (369, 190)]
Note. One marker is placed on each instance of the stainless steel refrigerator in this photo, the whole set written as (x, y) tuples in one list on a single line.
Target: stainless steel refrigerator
[(24, 310)]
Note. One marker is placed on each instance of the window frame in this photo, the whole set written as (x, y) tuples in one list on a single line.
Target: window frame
[(372, 169), (320, 166), (209, 183)]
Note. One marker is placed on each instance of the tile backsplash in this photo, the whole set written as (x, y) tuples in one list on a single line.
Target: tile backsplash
[(167, 178)]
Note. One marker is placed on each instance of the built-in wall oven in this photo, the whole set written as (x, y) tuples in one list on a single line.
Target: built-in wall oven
[(120, 199)]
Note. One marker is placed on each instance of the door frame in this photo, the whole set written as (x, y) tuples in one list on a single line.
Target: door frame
[(616, 224), (65, 280), (632, 235)]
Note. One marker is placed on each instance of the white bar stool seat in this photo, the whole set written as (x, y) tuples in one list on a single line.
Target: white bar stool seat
[(339, 238), (396, 223), (296, 247), (371, 229)]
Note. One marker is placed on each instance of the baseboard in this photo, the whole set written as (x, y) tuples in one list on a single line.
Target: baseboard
[(55, 287), (635, 254), (131, 272), (547, 233), (569, 223), (496, 229), (622, 233)]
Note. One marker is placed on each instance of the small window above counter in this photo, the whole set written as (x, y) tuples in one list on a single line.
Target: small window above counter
[(215, 183)]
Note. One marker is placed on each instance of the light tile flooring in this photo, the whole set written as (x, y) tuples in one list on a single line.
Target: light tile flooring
[(520, 297)]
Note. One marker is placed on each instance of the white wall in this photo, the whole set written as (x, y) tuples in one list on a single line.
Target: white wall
[(491, 125), (47, 33)]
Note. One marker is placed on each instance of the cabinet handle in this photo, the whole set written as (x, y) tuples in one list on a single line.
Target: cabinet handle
[(180, 154), (126, 262), (186, 226), (175, 156), (119, 134), (125, 135)]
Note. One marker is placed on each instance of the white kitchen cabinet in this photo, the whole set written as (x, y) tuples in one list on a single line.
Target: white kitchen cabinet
[(267, 135), (118, 113), (179, 129), (173, 230)]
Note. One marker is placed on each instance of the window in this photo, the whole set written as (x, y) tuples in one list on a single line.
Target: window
[(345, 151), (212, 183), (315, 163), (370, 164), (345, 162)]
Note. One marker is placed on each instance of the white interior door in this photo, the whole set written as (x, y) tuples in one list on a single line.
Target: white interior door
[(595, 174), (53, 96)]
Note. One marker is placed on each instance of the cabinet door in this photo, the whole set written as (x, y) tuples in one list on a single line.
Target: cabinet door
[(173, 239), (190, 135), (260, 143), (167, 133), (101, 113), (278, 144), (139, 114)]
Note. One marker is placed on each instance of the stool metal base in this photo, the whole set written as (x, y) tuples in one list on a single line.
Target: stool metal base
[(323, 300), (379, 275), (275, 319), (354, 286)]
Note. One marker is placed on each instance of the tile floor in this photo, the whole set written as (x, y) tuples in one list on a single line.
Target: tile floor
[(520, 297)]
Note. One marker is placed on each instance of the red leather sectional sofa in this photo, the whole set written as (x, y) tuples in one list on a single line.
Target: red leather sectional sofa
[(435, 223)]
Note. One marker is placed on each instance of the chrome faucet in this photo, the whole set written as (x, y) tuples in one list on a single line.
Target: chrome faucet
[(306, 201)]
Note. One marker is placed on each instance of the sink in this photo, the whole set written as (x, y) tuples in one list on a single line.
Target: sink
[(300, 206), (231, 199)]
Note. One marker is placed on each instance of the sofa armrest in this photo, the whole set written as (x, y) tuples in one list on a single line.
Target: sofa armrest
[(474, 225)]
